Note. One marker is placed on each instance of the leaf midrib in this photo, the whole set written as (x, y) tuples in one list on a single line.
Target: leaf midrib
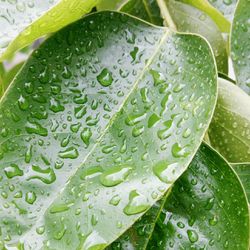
[(137, 81)]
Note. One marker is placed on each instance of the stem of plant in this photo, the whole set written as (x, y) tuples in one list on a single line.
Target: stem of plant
[(166, 15)]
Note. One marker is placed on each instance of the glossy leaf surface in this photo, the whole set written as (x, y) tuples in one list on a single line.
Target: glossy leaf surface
[(147, 10), (110, 5), (205, 6), (226, 7), (26, 21), (115, 110), (240, 45), (229, 131), (207, 208), (190, 19), (138, 236), (243, 171)]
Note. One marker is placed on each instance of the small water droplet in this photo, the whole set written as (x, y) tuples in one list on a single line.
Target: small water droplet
[(30, 197)]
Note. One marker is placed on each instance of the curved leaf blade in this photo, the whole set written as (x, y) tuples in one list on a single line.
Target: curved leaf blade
[(147, 10), (206, 208), (227, 7), (27, 21), (243, 171), (83, 123), (189, 19), (240, 45), (218, 18), (229, 131)]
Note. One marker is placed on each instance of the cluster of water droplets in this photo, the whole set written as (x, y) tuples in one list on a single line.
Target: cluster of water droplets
[(109, 113)]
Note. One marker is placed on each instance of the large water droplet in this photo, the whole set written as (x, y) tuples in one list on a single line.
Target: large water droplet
[(105, 78), (115, 175), (70, 153), (12, 171), (192, 236), (165, 171), (179, 151), (36, 128), (30, 197), (86, 135), (138, 203)]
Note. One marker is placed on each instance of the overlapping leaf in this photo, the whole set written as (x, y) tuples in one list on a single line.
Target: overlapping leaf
[(190, 19), (243, 171), (207, 208), (108, 107), (205, 6), (185, 18), (25, 21), (229, 131), (226, 7), (240, 45), (147, 10)]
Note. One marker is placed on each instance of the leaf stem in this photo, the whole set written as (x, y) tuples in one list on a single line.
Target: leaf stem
[(166, 15)]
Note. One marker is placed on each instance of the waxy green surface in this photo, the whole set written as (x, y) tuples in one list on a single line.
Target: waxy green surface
[(101, 120)]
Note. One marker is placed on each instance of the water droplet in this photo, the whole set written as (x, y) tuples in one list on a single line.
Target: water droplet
[(105, 78), (179, 151), (86, 135), (153, 119), (115, 175), (165, 171), (55, 106), (40, 230), (115, 200), (157, 77), (70, 153), (164, 133), (23, 103), (36, 128), (60, 208), (137, 131), (13, 171), (94, 220), (94, 241), (138, 203), (80, 111), (30, 197), (65, 141), (192, 236), (132, 120), (49, 173)]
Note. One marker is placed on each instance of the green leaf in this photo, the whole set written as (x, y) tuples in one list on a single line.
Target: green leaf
[(218, 18), (9, 76), (96, 123), (24, 22), (190, 19), (147, 10), (138, 236), (240, 45), (243, 171), (207, 208), (110, 5), (229, 131), (226, 7)]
